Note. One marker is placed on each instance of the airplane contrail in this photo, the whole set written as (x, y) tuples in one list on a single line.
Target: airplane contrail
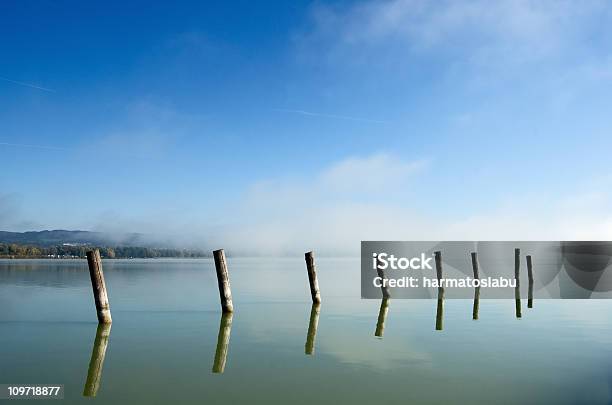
[(342, 117), (26, 84), (24, 145)]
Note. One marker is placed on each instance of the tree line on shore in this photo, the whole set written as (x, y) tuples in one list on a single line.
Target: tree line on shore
[(13, 250)]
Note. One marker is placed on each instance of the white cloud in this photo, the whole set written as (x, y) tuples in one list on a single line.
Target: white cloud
[(340, 205), (578, 215), (332, 211), (291, 216), (480, 33), (360, 174)]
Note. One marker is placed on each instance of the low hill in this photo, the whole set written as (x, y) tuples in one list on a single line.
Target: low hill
[(61, 237)]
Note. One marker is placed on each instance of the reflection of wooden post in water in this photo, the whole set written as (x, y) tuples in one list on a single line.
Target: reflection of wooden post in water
[(225, 329), (440, 311), (312, 277), (225, 291), (476, 289), (517, 300), (98, 352), (99, 286), (312, 328), (382, 316), (530, 276), (476, 303), (517, 289), (440, 307)]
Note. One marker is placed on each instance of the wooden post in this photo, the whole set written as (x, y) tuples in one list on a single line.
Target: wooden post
[(517, 265), (440, 307), (475, 265), (530, 276), (384, 288), (223, 338), (439, 274), (312, 277), (438, 258), (517, 289), (225, 292), (313, 324), (529, 269), (98, 352), (99, 286), (476, 289), (382, 316)]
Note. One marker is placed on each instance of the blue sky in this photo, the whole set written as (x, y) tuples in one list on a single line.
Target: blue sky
[(284, 126)]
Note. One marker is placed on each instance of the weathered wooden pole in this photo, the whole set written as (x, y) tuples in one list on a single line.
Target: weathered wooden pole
[(98, 352), (99, 286), (475, 265), (476, 289), (439, 274), (517, 289), (225, 292), (530, 276), (517, 265), (529, 269), (383, 287), (382, 317), (313, 324), (312, 277), (440, 307), (438, 258), (223, 338)]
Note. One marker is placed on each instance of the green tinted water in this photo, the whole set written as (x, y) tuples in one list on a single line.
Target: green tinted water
[(168, 336)]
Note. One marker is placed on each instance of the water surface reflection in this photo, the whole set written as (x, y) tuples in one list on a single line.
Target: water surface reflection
[(313, 324), (223, 339), (96, 363)]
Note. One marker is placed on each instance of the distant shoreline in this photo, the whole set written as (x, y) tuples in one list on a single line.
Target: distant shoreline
[(105, 258), (79, 251)]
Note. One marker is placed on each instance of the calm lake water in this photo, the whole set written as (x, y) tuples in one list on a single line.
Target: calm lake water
[(168, 335)]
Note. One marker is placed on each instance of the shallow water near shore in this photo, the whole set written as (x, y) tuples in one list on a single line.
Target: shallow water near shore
[(169, 342)]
